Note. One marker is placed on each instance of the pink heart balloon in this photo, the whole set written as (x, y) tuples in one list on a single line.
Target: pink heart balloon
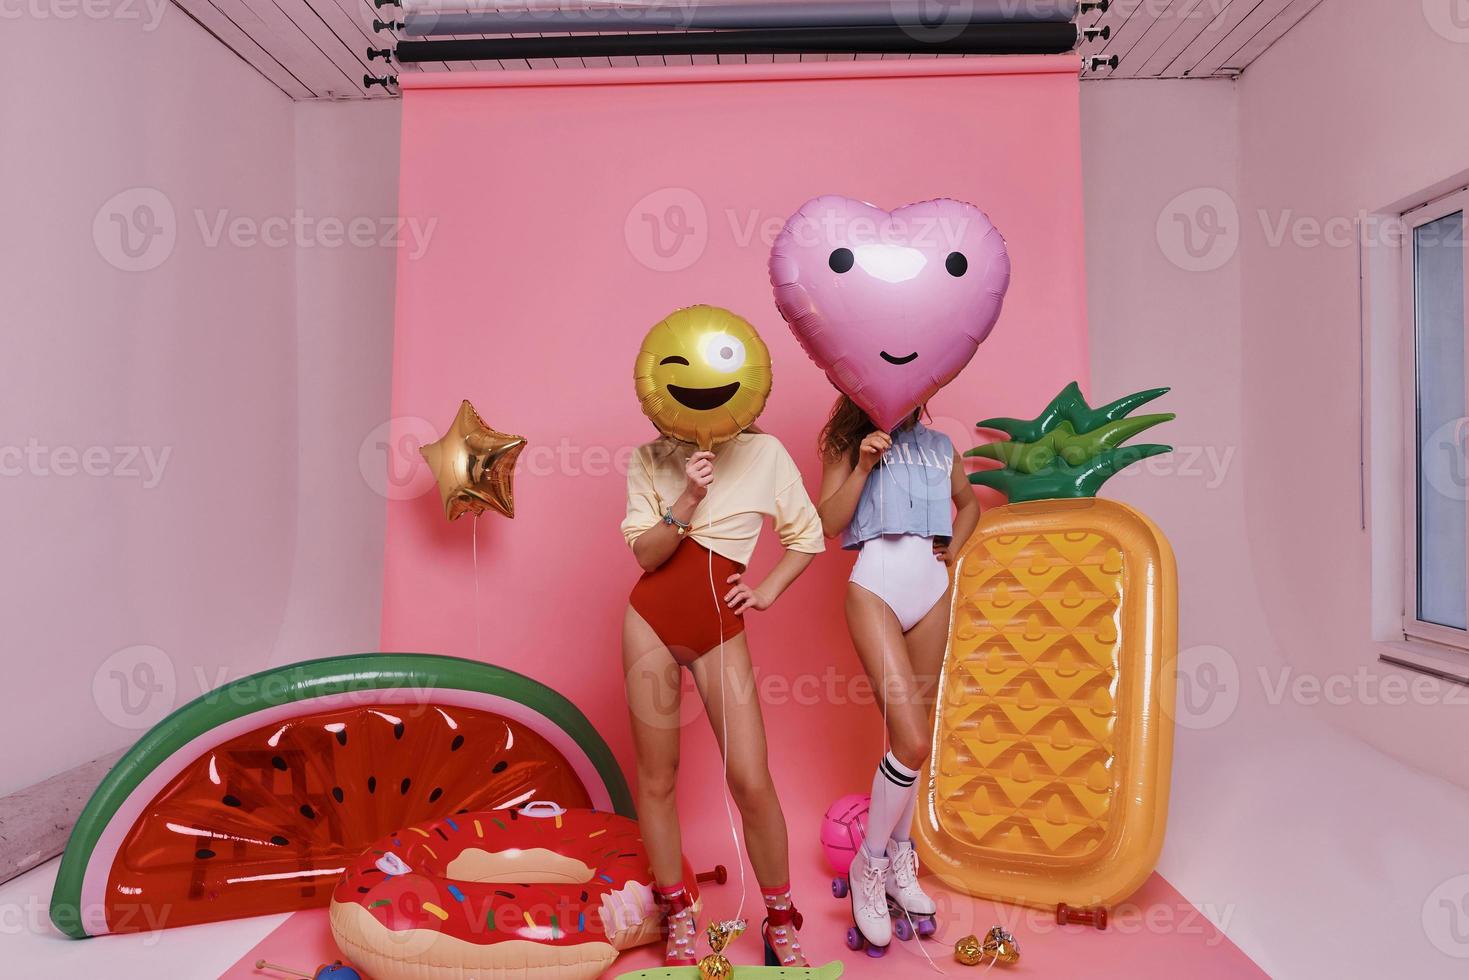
[(890, 304)]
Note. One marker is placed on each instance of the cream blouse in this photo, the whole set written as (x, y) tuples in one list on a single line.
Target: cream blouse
[(754, 478)]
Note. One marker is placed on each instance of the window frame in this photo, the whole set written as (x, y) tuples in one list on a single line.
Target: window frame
[(1415, 629)]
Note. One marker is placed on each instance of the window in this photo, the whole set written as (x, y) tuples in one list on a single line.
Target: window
[(1436, 607)]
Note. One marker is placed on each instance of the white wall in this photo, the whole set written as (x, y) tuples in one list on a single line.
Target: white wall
[(251, 358), (1291, 824), (194, 359), (346, 173), (1324, 137)]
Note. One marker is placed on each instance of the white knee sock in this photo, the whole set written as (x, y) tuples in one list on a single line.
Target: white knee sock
[(903, 829), (893, 796)]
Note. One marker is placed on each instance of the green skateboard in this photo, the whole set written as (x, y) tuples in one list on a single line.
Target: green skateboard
[(830, 971)]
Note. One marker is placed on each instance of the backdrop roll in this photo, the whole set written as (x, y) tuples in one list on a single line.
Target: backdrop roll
[(509, 18), (572, 209), (461, 17), (970, 39)]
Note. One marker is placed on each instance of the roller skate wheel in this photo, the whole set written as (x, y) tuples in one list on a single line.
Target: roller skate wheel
[(877, 952), (839, 888), (927, 927), (902, 929), (854, 939)]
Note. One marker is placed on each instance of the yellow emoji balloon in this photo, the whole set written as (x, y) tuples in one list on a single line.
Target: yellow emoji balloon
[(702, 375)]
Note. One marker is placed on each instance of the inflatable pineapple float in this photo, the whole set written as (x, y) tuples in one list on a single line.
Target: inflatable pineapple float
[(1048, 783)]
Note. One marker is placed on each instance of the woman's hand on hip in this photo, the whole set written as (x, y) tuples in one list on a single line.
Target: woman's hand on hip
[(743, 597)]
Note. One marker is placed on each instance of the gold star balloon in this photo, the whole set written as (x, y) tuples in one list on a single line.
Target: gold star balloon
[(475, 466)]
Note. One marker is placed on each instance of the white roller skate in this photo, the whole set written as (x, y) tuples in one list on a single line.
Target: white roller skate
[(872, 927), (912, 908)]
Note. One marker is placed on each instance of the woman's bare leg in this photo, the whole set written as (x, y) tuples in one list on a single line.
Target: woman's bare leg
[(652, 680), (726, 682), (926, 643), (883, 650), (734, 708)]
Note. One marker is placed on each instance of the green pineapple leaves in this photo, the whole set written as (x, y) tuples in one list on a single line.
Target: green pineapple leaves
[(1070, 449)]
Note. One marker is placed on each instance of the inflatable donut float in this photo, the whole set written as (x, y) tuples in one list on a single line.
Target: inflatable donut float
[(543, 892), (253, 798)]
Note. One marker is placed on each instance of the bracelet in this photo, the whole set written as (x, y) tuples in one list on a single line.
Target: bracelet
[(671, 521)]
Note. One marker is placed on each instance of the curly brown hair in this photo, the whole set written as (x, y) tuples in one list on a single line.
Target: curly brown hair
[(846, 427)]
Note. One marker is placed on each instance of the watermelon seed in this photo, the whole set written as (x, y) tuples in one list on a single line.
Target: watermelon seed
[(279, 841), (342, 737), (458, 741), (500, 766), (372, 784), (307, 812), (403, 786), (363, 890), (279, 763), (434, 796), (337, 793), (398, 730), (203, 854), (231, 800)]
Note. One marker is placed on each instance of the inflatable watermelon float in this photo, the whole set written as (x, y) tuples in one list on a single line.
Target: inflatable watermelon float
[(255, 797)]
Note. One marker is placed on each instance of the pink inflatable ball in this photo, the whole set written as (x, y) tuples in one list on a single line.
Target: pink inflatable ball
[(843, 829)]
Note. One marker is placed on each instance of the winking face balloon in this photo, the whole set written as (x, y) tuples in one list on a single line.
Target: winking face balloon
[(702, 375)]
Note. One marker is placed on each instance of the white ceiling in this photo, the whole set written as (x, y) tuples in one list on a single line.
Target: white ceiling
[(317, 49), (1191, 38)]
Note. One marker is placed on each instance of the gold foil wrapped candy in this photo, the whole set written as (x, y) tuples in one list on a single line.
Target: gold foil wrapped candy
[(998, 946), (969, 951), (715, 966)]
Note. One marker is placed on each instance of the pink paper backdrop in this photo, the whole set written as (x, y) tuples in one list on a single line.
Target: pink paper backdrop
[(574, 210)]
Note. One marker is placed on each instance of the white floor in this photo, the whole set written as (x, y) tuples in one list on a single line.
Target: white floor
[(32, 949), (1318, 855)]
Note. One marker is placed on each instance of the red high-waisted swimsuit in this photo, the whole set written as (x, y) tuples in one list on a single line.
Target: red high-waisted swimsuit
[(676, 600)]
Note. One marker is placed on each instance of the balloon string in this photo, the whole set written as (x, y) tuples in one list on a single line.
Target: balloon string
[(723, 713), (474, 552)]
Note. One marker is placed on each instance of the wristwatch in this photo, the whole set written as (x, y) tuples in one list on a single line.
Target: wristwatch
[(674, 522)]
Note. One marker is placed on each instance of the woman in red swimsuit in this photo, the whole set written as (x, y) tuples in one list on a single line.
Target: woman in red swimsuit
[(692, 522)]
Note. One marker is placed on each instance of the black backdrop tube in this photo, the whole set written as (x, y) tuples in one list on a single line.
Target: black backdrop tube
[(424, 22), (971, 39)]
